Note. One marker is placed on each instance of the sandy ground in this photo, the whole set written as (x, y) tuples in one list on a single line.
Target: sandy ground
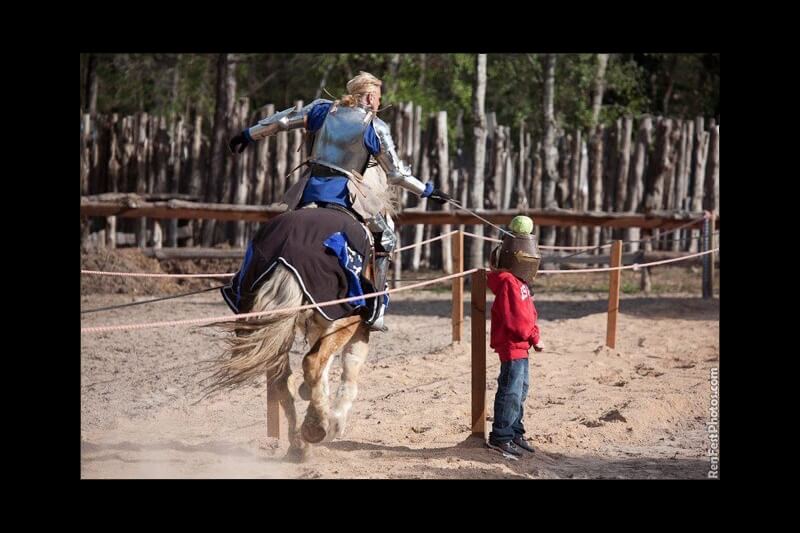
[(638, 411)]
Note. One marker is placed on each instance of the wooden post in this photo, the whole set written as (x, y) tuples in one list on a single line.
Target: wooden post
[(242, 177), (282, 146), (583, 192), (442, 156), (159, 162), (86, 154), (574, 185), (623, 164), (536, 176), (711, 186), (596, 178), (424, 176), (478, 319), (294, 151), (113, 177), (700, 154), (457, 246), (141, 174), (176, 153), (417, 139), (613, 294), (195, 177), (633, 200), (273, 412), (708, 259), (262, 189)]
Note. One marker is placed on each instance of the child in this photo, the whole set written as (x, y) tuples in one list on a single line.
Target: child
[(513, 332)]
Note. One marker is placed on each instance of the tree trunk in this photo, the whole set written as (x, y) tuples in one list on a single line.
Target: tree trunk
[(323, 81), (295, 154), (281, 149), (262, 190), (113, 176), (711, 198), (523, 179), (91, 85), (161, 148), (419, 229), (549, 155), (86, 152), (477, 189), (442, 151), (394, 65), (599, 87), (226, 232), (670, 83), (611, 156), (536, 176), (700, 155), (562, 187), (623, 167), (141, 174), (242, 174), (596, 177), (498, 165), (682, 179), (583, 191), (669, 177), (174, 184), (633, 200), (660, 168), (508, 175), (574, 184), (417, 158), (196, 174), (218, 142)]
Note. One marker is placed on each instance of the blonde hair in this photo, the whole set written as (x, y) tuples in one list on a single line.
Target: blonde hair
[(359, 86)]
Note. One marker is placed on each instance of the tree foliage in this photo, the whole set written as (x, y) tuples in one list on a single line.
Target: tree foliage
[(684, 85)]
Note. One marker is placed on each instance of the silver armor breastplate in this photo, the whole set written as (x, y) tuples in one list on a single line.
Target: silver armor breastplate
[(340, 140)]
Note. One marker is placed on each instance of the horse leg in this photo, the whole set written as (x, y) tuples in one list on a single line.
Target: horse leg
[(299, 450), (353, 356), (312, 325), (316, 364)]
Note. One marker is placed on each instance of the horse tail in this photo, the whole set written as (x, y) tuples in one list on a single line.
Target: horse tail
[(261, 344)]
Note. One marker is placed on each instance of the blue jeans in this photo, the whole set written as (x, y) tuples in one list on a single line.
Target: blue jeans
[(512, 389)]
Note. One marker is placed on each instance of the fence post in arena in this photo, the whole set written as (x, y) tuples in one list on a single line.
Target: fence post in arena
[(708, 259), (478, 321), (458, 284), (613, 294)]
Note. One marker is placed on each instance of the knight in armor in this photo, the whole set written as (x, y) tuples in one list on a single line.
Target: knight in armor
[(344, 134)]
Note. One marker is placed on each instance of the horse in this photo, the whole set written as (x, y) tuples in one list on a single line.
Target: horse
[(262, 344)]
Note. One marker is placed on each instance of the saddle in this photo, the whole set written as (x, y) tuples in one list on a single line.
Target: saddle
[(368, 272)]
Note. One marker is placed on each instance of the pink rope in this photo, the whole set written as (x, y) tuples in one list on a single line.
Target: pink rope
[(635, 266), (229, 318), (425, 241), (542, 246), (148, 275)]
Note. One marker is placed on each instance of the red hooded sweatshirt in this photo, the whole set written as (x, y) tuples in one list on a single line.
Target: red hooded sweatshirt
[(514, 327)]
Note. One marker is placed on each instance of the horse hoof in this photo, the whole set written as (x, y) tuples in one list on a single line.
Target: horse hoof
[(335, 427), (313, 434), (304, 392), (298, 455)]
